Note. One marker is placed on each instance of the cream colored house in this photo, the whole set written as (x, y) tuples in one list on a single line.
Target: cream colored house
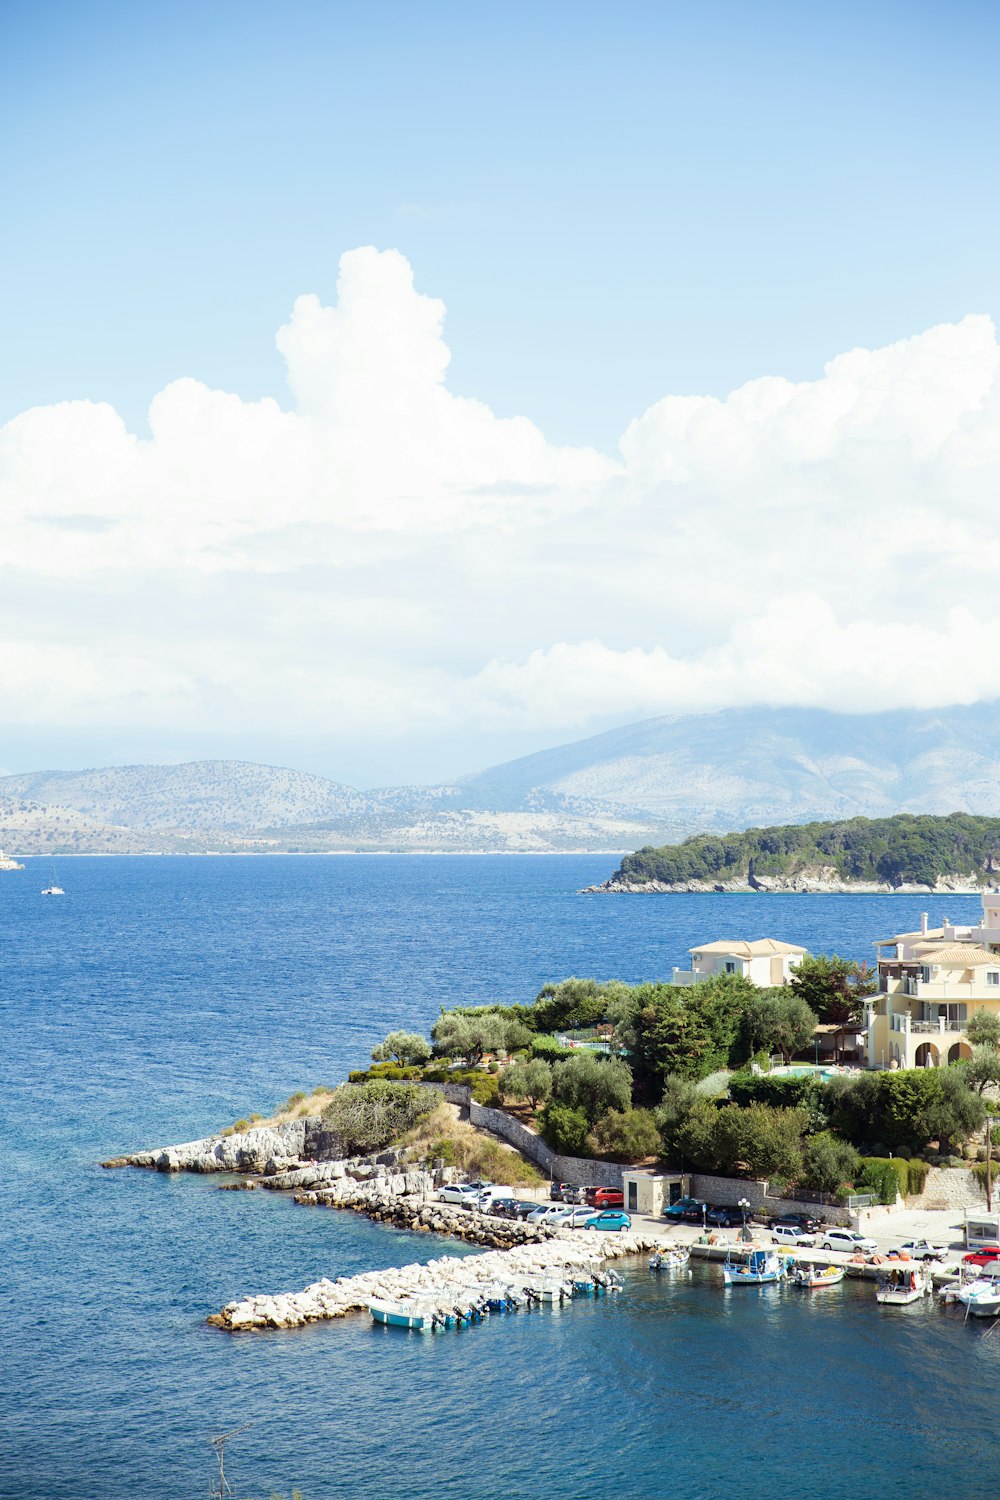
[(765, 962), (931, 983)]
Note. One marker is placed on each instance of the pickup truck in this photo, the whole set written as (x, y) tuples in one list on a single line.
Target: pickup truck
[(920, 1250)]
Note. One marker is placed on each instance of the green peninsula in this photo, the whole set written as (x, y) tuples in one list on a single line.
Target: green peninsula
[(959, 852)]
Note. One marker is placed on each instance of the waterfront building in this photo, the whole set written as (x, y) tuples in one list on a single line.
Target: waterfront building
[(930, 984), (765, 962)]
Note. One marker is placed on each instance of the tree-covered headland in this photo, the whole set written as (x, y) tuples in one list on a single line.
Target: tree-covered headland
[(908, 849)]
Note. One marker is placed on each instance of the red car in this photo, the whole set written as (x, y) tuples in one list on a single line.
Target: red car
[(599, 1197), (982, 1256)]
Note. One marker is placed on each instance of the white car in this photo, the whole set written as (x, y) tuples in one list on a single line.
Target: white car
[(460, 1192), (576, 1218), (787, 1234), (553, 1213), (847, 1240)]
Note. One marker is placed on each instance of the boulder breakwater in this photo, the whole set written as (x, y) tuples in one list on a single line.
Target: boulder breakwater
[(445, 1280)]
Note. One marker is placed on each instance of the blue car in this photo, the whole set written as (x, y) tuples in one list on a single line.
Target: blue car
[(611, 1218), (678, 1209)]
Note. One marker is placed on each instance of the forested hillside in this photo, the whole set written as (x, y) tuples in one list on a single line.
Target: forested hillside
[(903, 850)]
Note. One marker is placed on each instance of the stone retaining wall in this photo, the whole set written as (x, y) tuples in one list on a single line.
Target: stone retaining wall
[(582, 1171), (727, 1192), (950, 1187)]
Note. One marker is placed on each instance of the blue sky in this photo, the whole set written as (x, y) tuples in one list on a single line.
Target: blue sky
[(618, 207), (615, 202)]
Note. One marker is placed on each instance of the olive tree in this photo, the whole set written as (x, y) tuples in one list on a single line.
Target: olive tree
[(407, 1047)]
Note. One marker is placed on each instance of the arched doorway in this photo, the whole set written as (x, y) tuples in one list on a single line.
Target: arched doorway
[(959, 1051), (927, 1056)]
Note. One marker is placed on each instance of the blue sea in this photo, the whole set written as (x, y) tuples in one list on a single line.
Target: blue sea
[(163, 998)]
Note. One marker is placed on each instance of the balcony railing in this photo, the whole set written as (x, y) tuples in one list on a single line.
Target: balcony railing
[(903, 1022)]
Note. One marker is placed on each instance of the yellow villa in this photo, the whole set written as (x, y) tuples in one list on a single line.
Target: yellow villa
[(931, 983), (765, 961)]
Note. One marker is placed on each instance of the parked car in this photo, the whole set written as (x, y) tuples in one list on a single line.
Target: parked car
[(610, 1219), (806, 1222), (982, 1256), (548, 1213), (605, 1197), (489, 1196), (460, 1192), (848, 1240), (790, 1234), (919, 1250), (676, 1210), (506, 1208), (577, 1217), (525, 1206), (556, 1190), (694, 1213), (575, 1195), (724, 1218)]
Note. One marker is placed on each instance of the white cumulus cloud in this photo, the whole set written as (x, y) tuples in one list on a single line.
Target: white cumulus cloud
[(383, 556)]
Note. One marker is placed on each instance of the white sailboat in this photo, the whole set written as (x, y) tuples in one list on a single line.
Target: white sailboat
[(53, 889)]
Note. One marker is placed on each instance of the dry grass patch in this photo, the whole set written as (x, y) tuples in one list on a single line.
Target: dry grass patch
[(472, 1151), (297, 1107)]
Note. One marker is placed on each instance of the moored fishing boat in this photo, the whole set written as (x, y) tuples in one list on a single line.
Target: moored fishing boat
[(669, 1260), (984, 1301), (758, 1268), (898, 1285), (406, 1313), (812, 1277)]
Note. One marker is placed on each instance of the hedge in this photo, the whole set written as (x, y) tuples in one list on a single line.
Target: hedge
[(885, 1175)]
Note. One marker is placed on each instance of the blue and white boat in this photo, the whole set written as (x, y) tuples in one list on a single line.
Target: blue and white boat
[(758, 1268), (404, 1314)]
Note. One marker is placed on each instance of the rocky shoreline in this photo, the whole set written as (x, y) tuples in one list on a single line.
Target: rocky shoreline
[(281, 1158), (793, 884)]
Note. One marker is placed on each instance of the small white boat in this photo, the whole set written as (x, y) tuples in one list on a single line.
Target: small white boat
[(53, 890), (812, 1277), (896, 1286), (669, 1260), (985, 1301)]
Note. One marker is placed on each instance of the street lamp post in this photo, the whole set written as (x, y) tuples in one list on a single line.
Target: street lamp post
[(704, 1220), (744, 1205)]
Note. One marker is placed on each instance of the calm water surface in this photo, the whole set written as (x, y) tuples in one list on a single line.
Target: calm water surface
[(163, 997)]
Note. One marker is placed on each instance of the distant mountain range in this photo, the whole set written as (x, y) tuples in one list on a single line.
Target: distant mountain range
[(651, 782)]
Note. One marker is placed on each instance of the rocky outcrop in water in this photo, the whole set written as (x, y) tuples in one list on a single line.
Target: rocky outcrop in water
[(279, 1147)]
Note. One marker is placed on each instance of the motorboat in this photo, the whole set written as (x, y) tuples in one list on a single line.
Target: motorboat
[(669, 1260), (984, 1301), (757, 1268), (898, 1285), (812, 1277), (407, 1313)]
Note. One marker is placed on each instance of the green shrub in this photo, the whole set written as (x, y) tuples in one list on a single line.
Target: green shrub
[(827, 1163), (547, 1048), (369, 1116), (628, 1135), (883, 1177), (565, 1129)]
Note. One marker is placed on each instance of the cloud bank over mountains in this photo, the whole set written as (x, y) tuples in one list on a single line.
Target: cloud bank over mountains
[(390, 557)]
